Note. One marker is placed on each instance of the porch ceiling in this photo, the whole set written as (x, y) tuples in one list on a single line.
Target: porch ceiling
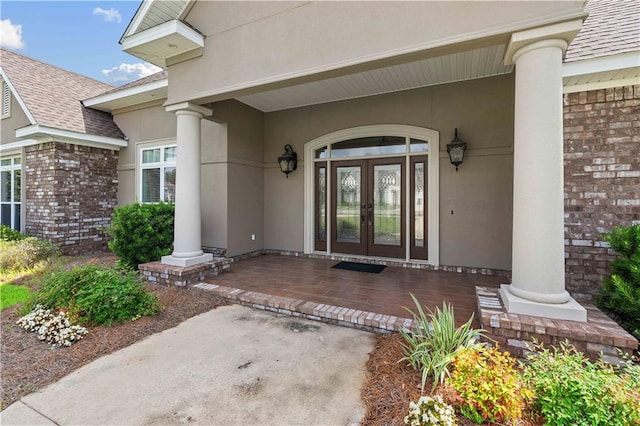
[(468, 65)]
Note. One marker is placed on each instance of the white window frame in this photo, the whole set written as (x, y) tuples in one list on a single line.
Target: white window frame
[(6, 101), (162, 165), (12, 168)]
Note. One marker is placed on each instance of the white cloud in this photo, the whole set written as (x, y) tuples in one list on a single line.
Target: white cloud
[(124, 73), (11, 35), (110, 15)]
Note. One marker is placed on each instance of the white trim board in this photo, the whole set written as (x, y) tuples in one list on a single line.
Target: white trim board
[(42, 134), (603, 72), (125, 93), (601, 64), (15, 94)]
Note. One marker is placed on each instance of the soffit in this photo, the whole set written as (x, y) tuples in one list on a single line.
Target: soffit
[(601, 72), (605, 76), (153, 13), (468, 65)]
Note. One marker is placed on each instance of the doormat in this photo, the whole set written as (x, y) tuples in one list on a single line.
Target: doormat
[(359, 267)]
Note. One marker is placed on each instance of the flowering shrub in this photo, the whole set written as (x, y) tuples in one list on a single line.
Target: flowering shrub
[(53, 329), (430, 411), (488, 385)]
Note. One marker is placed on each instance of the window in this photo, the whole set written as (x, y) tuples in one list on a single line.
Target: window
[(10, 191), (158, 174), (6, 100)]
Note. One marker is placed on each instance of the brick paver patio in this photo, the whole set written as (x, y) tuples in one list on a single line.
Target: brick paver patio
[(386, 293)]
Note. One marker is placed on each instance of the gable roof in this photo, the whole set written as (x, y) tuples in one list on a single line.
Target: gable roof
[(160, 75), (53, 96), (612, 27)]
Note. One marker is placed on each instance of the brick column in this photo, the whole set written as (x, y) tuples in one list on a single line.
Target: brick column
[(538, 286), (187, 229)]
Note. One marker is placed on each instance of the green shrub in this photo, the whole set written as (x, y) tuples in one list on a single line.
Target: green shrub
[(24, 254), (7, 233), (141, 233), (431, 345), (97, 295), (620, 294), (13, 294), (488, 385), (571, 390)]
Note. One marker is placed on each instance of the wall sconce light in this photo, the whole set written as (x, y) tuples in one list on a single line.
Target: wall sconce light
[(288, 161), (456, 149)]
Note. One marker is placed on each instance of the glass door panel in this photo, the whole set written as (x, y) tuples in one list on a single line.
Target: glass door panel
[(418, 208), (321, 207), (386, 205), (385, 212), (348, 207), (348, 204), (367, 206)]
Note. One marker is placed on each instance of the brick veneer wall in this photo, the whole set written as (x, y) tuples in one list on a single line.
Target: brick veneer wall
[(71, 191), (602, 179)]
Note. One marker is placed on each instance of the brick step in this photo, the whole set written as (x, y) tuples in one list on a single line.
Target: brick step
[(331, 314)]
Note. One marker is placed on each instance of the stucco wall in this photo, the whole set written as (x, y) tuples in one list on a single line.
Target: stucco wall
[(478, 233), (9, 125), (140, 126), (154, 126), (253, 44), (231, 171), (245, 190)]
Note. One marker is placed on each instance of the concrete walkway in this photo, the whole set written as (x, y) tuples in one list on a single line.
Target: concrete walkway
[(230, 366)]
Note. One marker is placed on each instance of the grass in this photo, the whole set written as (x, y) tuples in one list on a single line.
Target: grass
[(13, 294)]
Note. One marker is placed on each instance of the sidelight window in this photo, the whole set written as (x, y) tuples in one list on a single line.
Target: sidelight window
[(10, 191)]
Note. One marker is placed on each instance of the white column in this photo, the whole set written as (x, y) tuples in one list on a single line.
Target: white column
[(187, 245), (538, 275)]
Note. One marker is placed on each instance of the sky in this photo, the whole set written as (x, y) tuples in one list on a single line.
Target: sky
[(80, 36)]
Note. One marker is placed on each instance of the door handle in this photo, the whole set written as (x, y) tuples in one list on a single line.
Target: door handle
[(363, 209), (370, 213)]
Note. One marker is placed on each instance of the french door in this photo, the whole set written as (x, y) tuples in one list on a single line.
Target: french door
[(368, 214), (368, 207)]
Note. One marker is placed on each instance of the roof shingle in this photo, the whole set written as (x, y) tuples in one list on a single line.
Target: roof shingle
[(612, 27), (160, 75), (54, 96)]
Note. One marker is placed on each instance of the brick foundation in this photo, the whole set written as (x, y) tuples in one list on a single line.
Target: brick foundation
[(71, 191), (602, 180), (158, 273), (599, 335)]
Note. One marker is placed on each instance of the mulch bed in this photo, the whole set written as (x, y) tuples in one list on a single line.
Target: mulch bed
[(29, 364), (391, 385)]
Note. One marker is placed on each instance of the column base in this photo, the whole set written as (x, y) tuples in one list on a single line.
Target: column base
[(570, 310), (186, 261)]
